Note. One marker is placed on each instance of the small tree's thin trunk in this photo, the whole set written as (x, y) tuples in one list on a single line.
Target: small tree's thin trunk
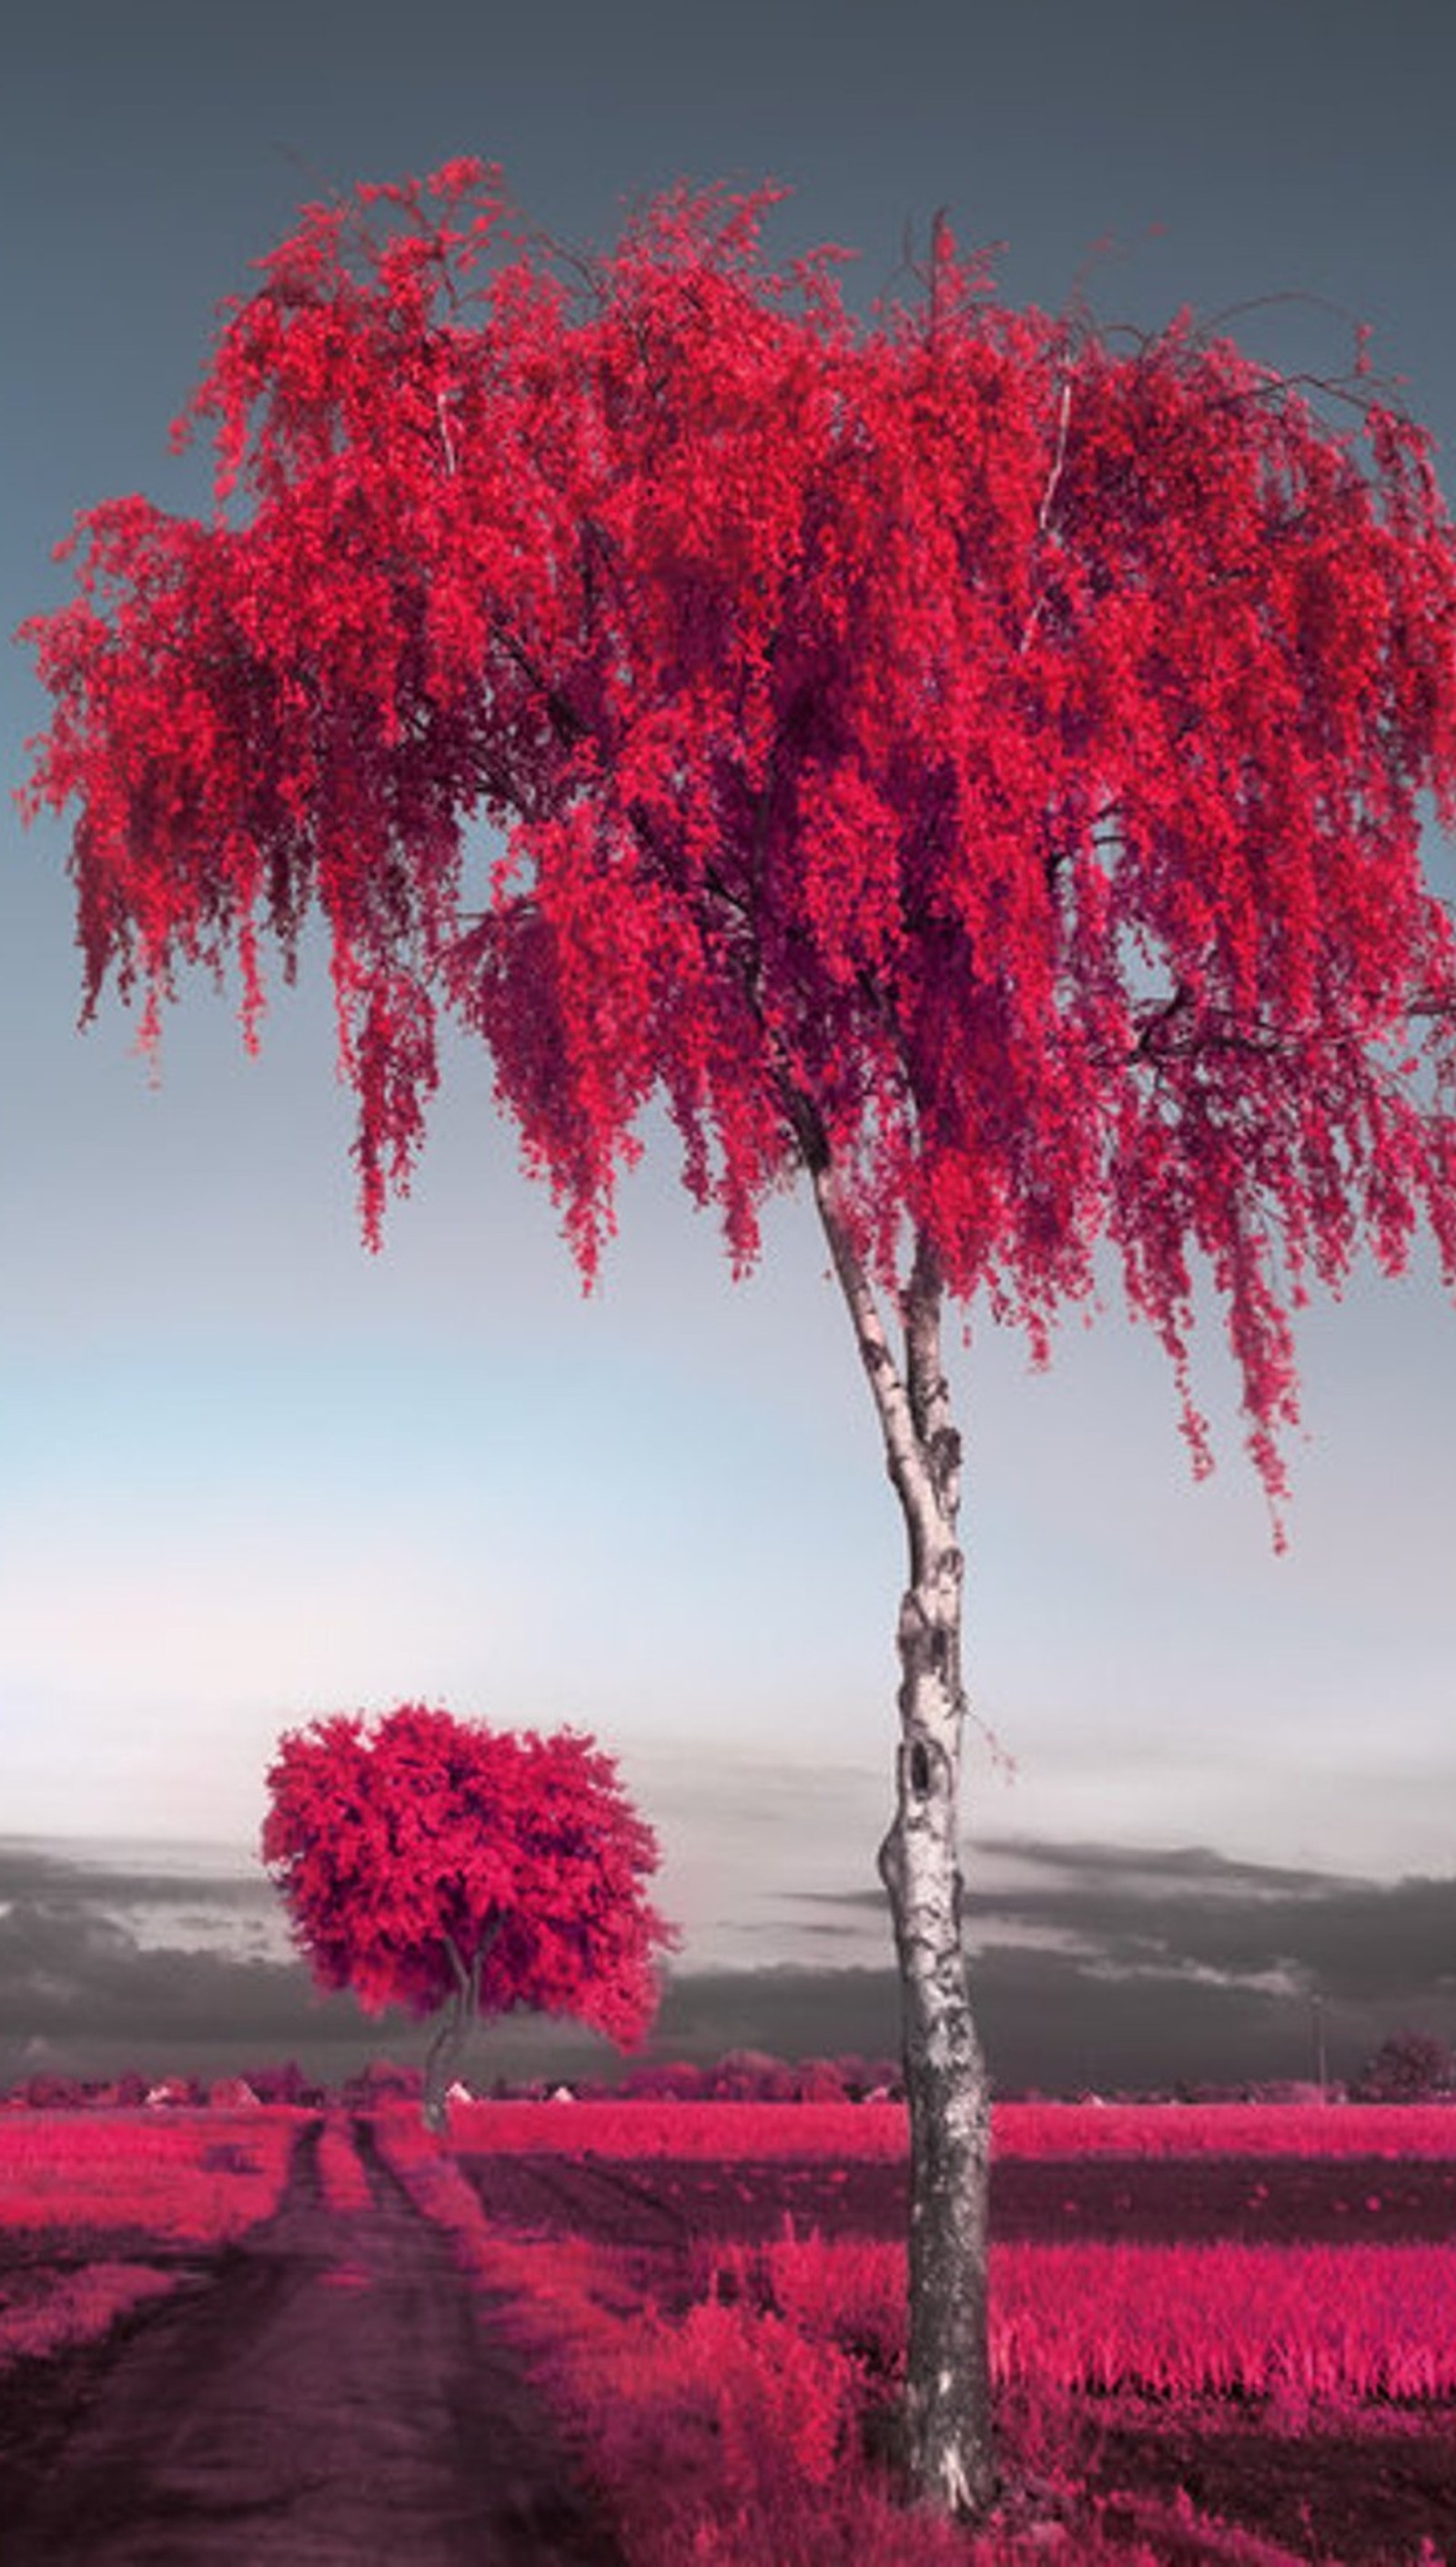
[(949, 2449), (460, 2012), (440, 2061)]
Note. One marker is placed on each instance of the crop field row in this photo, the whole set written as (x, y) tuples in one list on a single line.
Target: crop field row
[(1368, 2316), (726, 2375), (1174, 2316), (1329, 2322), (663, 2202), (847, 2131)]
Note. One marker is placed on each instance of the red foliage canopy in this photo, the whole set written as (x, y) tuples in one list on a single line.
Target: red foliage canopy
[(405, 1852), (959, 748)]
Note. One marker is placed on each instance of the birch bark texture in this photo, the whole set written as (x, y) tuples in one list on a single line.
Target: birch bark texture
[(948, 2438), (966, 758)]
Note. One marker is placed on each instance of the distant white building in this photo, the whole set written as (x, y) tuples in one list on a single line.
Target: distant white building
[(172, 2091), (230, 2094)]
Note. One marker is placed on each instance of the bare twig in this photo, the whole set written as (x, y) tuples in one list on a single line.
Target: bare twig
[(1063, 413), (1049, 495), (446, 439)]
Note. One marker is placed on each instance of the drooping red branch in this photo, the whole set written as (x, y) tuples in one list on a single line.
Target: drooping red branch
[(1011, 742)]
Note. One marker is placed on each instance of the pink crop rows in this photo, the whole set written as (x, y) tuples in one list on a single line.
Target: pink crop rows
[(1321, 2322), (731, 2429), (878, 2130)]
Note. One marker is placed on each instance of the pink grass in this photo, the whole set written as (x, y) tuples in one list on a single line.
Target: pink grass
[(1329, 2322), (50, 2312), (733, 2435), (654, 2128), (191, 2178)]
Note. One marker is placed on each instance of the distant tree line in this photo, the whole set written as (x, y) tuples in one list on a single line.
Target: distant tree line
[(739, 2076), (1409, 2067)]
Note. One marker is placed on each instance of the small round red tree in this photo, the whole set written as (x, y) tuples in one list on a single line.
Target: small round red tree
[(458, 1871), (971, 762)]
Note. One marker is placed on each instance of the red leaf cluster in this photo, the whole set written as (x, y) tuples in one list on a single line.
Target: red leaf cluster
[(407, 1850), (978, 753)]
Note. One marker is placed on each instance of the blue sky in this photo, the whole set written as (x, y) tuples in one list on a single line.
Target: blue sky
[(248, 1474)]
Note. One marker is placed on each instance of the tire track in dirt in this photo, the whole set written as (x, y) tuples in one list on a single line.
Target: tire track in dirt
[(337, 2395), (572, 2197)]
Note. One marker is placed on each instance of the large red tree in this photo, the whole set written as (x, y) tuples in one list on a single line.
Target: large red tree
[(458, 1871), (970, 761)]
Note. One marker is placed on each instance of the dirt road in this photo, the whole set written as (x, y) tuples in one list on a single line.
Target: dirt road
[(334, 2392)]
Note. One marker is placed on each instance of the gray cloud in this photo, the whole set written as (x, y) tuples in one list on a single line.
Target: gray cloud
[(71, 1971), (1186, 1908), (1091, 1965), (29, 1869)]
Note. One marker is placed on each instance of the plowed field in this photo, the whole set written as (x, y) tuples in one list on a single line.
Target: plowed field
[(663, 2202)]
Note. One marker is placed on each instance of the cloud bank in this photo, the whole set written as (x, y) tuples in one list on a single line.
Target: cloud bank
[(1092, 1965)]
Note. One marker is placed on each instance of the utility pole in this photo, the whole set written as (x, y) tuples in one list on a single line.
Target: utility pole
[(1320, 2064)]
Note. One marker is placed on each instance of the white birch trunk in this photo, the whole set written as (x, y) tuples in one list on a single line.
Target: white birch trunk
[(948, 2438)]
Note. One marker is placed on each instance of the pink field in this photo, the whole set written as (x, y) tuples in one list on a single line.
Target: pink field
[(727, 2389), (1338, 2323), (129, 2184), (690, 2130), (711, 2298), (196, 2177), (1359, 2320), (1225, 2129)]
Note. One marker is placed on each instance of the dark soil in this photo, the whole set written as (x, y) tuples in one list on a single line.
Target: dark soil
[(1280, 2200), (330, 2391), (1366, 2491)]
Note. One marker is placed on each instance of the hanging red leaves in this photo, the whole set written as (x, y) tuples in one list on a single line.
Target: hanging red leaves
[(987, 753)]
